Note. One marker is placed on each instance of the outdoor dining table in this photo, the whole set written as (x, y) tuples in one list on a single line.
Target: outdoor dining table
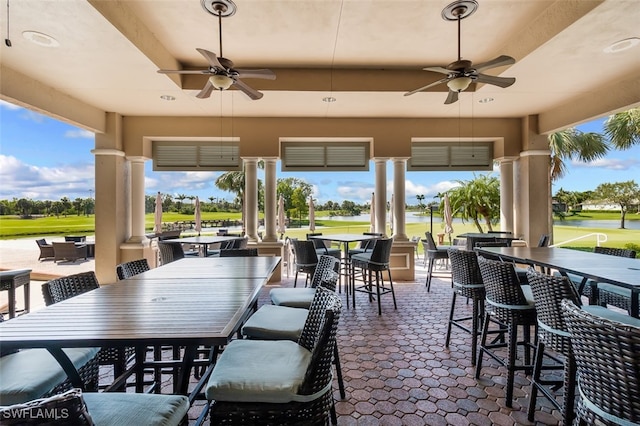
[(345, 239), (620, 271), (477, 237), (206, 308), (204, 241)]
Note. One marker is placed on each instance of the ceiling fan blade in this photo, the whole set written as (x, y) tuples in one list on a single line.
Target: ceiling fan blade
[(211, 58), (451, 98), (496, 81), (441, 70), (250, 92), (183, 71), (261, 73), (497, 62), (435, 83), (206, 91)]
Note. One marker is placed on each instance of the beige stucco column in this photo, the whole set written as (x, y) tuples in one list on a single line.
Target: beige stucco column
[(506, 194), (111, 220), (532, 184), (380, 208), (399, 229), (251, 197), (137, 201), (270, 201)]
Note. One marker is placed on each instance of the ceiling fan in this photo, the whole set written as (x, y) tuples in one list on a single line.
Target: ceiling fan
[(461, 73), (221, 72)]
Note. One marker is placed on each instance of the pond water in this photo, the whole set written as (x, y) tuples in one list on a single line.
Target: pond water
[(411, 217)]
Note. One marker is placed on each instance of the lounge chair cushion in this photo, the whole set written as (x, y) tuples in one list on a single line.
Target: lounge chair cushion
[(292, 297), (273, 322), (101, 409), (258, 371), (118, 408), (31, 373)]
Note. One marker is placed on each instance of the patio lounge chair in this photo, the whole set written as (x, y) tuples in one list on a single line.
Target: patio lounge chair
[(46, 250), (69, 251)]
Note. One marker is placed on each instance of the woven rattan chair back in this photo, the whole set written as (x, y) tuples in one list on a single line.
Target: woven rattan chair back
[(325, 263), (63, 288), (543, 241), (611, 251), (608, 365), (306, 258), (548, 292), (503, 291), (465, 273), (240, 243), (129, 269), (170, 251), (430, 243), (329, 280), (319, 336), (240, 252), (380, 255)]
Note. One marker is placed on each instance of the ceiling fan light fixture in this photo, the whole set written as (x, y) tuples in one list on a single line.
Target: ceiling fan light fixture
[(459, 84), (221, 82)]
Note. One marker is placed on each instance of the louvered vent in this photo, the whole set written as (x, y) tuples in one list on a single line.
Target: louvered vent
[(468, 156), (325, 156), (196, 155)]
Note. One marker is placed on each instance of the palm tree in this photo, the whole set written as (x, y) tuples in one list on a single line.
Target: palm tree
[(477, 199), (623, 128), (572, 144)]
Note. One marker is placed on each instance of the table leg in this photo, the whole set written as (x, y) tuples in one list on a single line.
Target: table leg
[(27, 297), (12, 300), (141, 354), (185, 370), (634, 308)]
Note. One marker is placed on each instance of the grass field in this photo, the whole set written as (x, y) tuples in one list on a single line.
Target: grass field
[(13, 227)]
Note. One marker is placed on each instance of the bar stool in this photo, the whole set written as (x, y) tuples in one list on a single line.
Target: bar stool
[(375, 261), (510, 306), (10, 281), (467, 282)]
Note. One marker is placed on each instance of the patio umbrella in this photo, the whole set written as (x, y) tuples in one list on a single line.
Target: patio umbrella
[(312, 215), (281, 227), (157, 218), (372, 211), (198, 218), (391, 215), (448, 217)]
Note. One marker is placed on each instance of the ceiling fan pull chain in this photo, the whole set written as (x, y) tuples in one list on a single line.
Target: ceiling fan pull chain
[(220, 31), (459, 42), (7, 40)]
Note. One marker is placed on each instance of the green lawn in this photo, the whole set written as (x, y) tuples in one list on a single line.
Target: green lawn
[(14, 227)]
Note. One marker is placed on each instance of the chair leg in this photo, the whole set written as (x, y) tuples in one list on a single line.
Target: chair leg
[(537, 367), (568, 408), (295, 279), (483, 342), (512, 352), (378, 276), (453, 305), (336, 361), (429, 274), (477, 312)]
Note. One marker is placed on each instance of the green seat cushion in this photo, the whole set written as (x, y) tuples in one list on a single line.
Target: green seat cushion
[(612, 315), (292, 297), (611, 288), (117, 408), (258, 371), (273, 322), (31, 373)]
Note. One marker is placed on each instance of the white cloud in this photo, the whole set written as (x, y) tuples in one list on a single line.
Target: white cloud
[(9, 105), (78, 133), (608, 163), (21, 180)]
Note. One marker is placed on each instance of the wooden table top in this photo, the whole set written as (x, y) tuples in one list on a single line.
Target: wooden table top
[(617, 270), (213, 267), (171, 310)]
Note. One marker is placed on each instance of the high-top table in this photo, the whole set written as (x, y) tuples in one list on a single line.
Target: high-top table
[(477, 237), (620, 271), (345, 239), (204, 241), (206, 307)]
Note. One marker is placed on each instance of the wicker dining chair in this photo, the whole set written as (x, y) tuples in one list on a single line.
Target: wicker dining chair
[(302, 297), (510, 306), (467, 282), (608, 366), (129, 269), (279, 382), (63, 288), (306, 259), (239, 252), (170, 252), (376, 262), (609, 294), (432, 254)]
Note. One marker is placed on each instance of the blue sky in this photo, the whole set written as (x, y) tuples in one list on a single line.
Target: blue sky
[(44, 159)]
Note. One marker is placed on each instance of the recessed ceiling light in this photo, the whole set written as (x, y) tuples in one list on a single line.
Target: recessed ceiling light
[(168, 98), (328, 99), (40, 39), (485, 100), (622, 45)]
